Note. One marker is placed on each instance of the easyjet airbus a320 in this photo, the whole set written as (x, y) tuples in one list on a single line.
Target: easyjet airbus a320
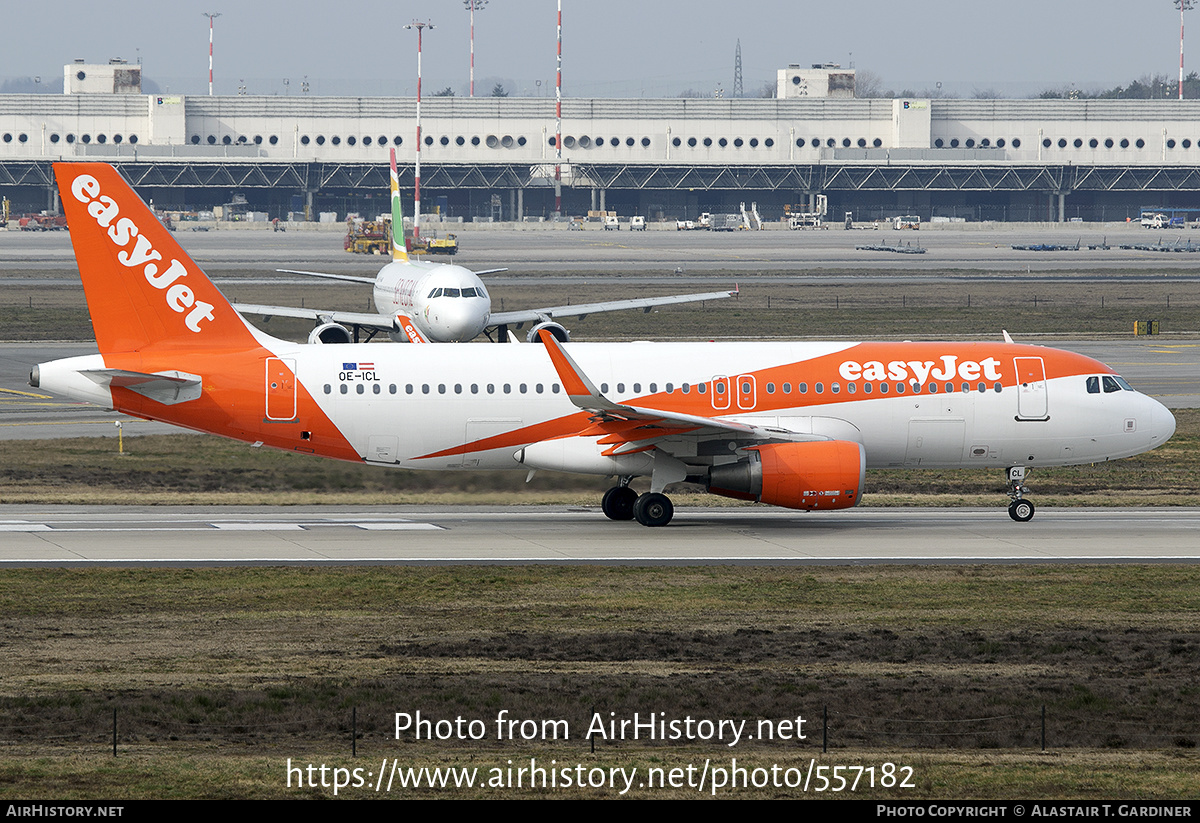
[(791, 424)]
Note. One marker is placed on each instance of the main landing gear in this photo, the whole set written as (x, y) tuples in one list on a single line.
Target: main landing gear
[(623, 503), (1019, 509)]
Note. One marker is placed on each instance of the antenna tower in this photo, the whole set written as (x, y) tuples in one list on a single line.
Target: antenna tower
[(737, 70)]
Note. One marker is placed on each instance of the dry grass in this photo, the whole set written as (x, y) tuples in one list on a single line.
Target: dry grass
[(219, 675)]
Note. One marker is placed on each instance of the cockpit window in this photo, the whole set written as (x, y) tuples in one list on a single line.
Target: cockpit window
[(436, 293), (1110, 385), (1093, 385), (1121, 382), (449, 292), (468, 292)]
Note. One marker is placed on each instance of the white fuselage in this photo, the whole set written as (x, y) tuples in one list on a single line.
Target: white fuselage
[(432, 407)]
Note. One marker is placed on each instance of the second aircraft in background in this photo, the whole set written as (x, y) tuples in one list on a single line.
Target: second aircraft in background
[(423, 302)]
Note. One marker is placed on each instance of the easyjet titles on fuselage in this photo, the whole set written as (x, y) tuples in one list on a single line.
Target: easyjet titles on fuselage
[(921, 370), (179, 297)]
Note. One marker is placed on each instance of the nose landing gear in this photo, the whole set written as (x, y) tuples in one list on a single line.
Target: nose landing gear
[(1019, 509)]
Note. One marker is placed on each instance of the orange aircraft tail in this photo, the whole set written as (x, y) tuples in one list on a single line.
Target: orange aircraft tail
[(142, 288)]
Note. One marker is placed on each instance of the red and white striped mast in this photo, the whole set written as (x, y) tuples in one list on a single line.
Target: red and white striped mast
[(472, 5), (1182, 5), (558, 123), (211, 17), (420, 27)]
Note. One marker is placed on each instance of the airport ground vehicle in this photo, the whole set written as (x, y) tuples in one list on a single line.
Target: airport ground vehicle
[(790, 424)]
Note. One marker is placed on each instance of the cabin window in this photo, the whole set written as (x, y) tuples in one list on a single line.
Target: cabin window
[(508, 388), (604, 388), (654, 388), (670, 388), (866, 388), (524, 388), (491, 388), (770, 388), (458, 388), (441, 388), (376, 388), (836, 388), (474, 388), (360, 388), (554, 388), (424, 388), (949, 388), (819, 388), (392, 388), (620, 388), (966, 387), (329, 388), (933, 388), (851, 388), (343, 388), (702, 388), (998, 387), (883, 388), (637, 388), (538, 388), (803, 388), (899, 388), (686, 388)]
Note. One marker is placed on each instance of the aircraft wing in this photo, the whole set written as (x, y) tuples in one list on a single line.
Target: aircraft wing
[(370, 281), (349, 318), (514, 318), (630, 427)]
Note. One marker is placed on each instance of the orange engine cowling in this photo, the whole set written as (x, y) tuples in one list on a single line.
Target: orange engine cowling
[(826, 474)]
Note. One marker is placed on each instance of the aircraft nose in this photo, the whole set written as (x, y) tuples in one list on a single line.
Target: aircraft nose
[(1162, 424)]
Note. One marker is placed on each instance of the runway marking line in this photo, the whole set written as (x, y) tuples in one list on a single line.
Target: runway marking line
[(27, 394)]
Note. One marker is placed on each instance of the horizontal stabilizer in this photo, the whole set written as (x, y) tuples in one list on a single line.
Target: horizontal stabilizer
[(168, 387)]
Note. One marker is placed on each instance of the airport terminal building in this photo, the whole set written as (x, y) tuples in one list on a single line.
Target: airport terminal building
[(494, 158)]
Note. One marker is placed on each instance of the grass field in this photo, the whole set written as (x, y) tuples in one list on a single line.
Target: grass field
[(217, 676), (972, 307)]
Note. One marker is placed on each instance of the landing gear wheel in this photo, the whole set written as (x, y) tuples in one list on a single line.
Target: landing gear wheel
[(1021, 510), (618, 503), (653, 509)]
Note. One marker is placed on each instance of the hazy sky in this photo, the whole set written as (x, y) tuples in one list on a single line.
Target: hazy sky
[(611, 48)]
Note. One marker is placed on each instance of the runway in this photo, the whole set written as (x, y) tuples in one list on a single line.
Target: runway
[(79, 536)]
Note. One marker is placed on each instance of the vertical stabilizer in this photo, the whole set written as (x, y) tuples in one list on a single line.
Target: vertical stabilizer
[(398, 250), (142, 289)]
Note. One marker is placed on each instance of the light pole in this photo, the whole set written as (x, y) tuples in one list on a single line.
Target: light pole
[(472, 6), (1182, 5), (420, 27), (558, 124), (212, 16)]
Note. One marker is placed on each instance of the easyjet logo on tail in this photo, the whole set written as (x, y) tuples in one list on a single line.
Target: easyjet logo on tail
[(137, 251)]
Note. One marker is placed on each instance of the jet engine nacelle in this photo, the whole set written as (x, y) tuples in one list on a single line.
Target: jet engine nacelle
[(556, 329), (330, 333), (826, 474)]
